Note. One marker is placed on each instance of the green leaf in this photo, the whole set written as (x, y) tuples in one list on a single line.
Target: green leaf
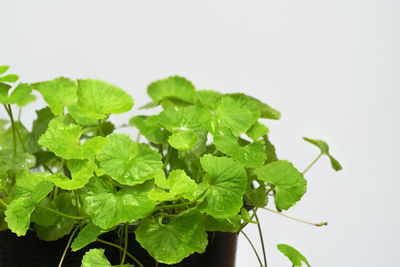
[(127, 162), (3, 69), (87, 235), (209, 98), (257, 196), (79, 116), (81, 172), (43, 216), (21, 161), (179, 185), (270, 149), (289, 183), (230, 224), (323, 146), (266, 111), (257, 131), (294, 256), (57, 93), (227, 183), (9, 78), (174, 86), (251, 155), (29, 190), (7, 139), (21, 95), (39, 127), (237, 114), (152, 133), (98, 99), (95, 258), (183, 140), (108, 207), (171, 243), (62, 137), (63, 225)]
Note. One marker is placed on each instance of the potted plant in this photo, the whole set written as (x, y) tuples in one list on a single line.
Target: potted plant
[(202, 166)]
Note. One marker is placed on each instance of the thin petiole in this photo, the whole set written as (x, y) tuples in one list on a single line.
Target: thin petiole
[(181, 204), (2, 202), (125, 245), (100, 127), (14, 125), (312, 163), (296, 219), (63, 214), (67, 246), (261, 240), (167, 158), (254, 249), (120, 248), (13, 131)]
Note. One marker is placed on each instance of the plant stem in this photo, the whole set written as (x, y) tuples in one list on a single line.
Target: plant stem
[(180, 204), (62, 213), (312, 163), (66, 248), (13, 131), (156, 263), (138, 137), (252, 246), (14, 125), (2, 202), (125, 244), (296, 219), (255, 210), (120, 248), (261, 240)]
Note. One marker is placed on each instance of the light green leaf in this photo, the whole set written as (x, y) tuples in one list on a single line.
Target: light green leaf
[(289, 183), (251, 155), (177, 118), (63, 225), (81, 172), (179, 185), (152, 133), (227, 183), (127, 162), (3, 69), (257, 131), (323, 146), (174, 86), (98, 99), (29, 190), (21, 95), (62, 137), (95, 258), (293, 255), (43, 216), (39, 126), (21, 161), (171, 243), (183, 140), (9, 78), (209, 98), (237, 114), (57, 93), (230, 224), (7, 139), (79, 116), (266, 111), (87, 235), (108, 207)]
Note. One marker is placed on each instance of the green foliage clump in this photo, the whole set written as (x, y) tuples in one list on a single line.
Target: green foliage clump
[(206, 164)]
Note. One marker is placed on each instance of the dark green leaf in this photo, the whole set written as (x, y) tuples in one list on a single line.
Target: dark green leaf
[(87, 235)]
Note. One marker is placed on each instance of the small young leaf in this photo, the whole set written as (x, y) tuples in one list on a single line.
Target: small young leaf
[(39, 127), (87, 235), (293, 255), (183, 140), (323, 146), (81, 171), (21, 95), (289, 183), (3, 69), (95, 258), (58, 93), (128, 162), (152, 133), (173, 86), (108, 207), (266, 111), (257, 131), (9, 78), (227, 184), (179, 185), (173, 242), (80, 117), (98, 99), (209, 98)]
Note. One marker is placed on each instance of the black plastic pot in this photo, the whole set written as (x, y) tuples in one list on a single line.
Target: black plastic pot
[(29, 251)]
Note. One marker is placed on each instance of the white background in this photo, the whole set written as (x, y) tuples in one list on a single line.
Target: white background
[(331, 67)]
